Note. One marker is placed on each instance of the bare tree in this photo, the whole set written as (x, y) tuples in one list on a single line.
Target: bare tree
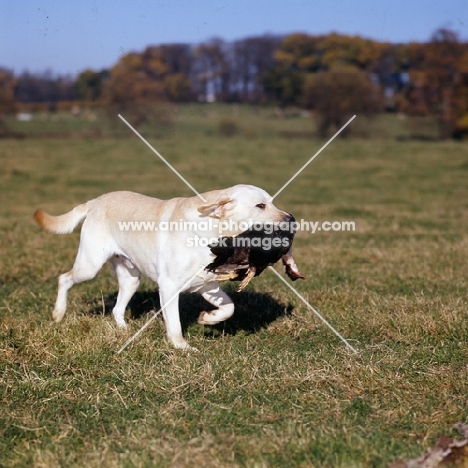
[(211, 70), (253, 58)]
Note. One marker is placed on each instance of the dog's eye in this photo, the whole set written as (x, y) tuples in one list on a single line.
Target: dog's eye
[(262, 206)]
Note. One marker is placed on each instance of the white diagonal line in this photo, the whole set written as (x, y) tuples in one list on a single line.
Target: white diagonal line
[(164, 160), (140, 331), (130, 340), (313, 157), (312, 309)]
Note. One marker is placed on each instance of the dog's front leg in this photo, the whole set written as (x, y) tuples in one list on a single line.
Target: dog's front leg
[(213, 293), (169, 297)]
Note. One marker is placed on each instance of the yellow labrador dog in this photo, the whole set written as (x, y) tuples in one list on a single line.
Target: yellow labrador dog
[(169, 257)]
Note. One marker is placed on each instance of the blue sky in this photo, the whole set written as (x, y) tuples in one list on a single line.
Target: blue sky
[(70, 36)]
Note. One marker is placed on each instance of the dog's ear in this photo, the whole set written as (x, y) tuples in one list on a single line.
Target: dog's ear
[(219, 209)]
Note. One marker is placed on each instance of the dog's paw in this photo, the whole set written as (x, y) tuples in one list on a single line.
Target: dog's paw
[(57, 315), (205, 318), (184, 346), (121, 324)]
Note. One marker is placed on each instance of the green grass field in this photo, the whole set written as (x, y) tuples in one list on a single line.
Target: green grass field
[(271, 387)]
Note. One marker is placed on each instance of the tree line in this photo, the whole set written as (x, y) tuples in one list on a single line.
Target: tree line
[(334, 75)]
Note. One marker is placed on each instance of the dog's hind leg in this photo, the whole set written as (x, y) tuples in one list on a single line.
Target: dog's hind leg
[(213, 293), (87, 264), (129, 279), (65, 282)]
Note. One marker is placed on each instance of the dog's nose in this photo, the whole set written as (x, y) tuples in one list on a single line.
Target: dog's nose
[(289, 218)]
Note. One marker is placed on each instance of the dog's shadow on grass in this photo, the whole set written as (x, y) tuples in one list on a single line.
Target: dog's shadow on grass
[(253, 311)]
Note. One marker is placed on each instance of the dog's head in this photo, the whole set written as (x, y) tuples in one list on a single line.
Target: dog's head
[(240, 204)]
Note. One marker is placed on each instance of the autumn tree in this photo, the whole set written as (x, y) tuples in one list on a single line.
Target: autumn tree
[(7, 92), (297, 55), (141, 83), (300, 55), (436, 80), (89, 84), (159, 73), (7, 99), (170, 65), (342, 50), (130, 92), (339, 94), (460, 101)]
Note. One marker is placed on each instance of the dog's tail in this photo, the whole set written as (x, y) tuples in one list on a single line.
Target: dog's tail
[(63, 224)]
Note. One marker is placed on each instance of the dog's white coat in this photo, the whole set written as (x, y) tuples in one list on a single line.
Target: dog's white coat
[(163, 256)]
